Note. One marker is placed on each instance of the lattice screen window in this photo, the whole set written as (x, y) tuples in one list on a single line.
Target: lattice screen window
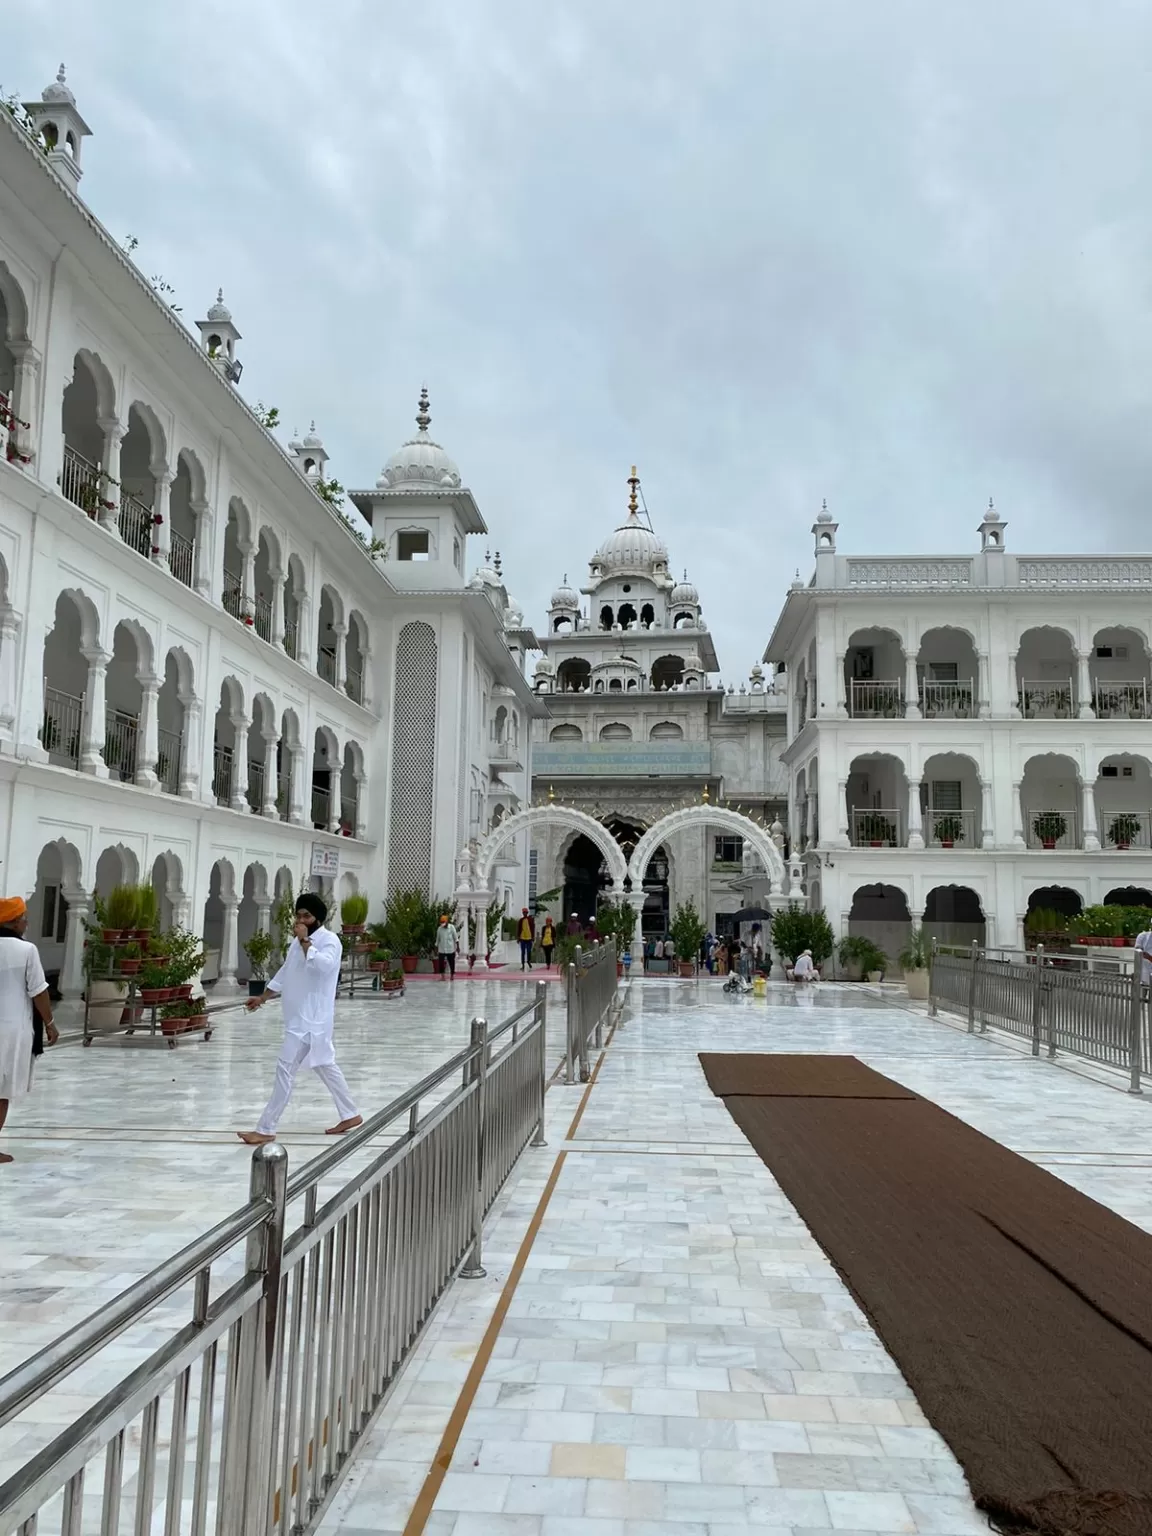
[(413, 760)]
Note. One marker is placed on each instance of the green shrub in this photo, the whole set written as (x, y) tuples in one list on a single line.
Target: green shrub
[(856, 949), (123, 906), (354, 910), (795, 930), (917, 953), (687, 930)]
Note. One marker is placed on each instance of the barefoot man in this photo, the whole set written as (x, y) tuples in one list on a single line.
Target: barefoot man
[(306, 983)]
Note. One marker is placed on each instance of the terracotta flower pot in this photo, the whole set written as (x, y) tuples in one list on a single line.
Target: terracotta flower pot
[(1048, 842), (391, 986), (409, 963), (110, 935), (947, 842), (353, 927), (130, 967), (150, 996), (687, 969)]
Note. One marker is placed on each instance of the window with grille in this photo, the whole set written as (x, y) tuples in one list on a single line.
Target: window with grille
[(943, 672), (533, 875), (53, 915), (729, 849), (413, 760), (944, 795)]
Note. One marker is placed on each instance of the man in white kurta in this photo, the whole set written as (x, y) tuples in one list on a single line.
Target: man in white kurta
[(306, 984), (22, 988)]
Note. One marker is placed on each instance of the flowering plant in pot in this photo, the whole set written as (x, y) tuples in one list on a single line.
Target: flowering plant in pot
[(1124, 830), (948, 830), (1049, 827)]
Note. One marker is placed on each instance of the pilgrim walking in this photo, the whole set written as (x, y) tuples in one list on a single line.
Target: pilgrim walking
[(306, 985), (25, 1010)]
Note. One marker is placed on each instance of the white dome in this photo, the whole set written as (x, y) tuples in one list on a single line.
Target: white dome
[(684, 592), (313, 438), (219, 310), (420, 462), (58, 90), (513, 615), (486, 575), (564, 596), (544, 667), (631, 547)]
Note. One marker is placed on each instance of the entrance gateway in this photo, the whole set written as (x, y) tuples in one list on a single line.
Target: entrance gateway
[(474, 867)]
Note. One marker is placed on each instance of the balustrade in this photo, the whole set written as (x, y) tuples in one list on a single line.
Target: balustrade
[(181, 557), (60, 734), (169, 760)]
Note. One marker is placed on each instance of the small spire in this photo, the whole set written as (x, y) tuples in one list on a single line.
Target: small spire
[(423, 413), (60, 75), (551, 794), (496, 565), (705, 797), (633, 500), (219, 291)]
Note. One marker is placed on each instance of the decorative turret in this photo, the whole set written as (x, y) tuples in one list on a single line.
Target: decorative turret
[(62, 128), (310, 456), (992, 529), (219, 336)]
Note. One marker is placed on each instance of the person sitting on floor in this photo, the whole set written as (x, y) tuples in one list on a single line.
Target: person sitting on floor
[(803, 968)]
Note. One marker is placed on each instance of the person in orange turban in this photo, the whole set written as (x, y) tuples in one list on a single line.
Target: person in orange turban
[(23, 1028)]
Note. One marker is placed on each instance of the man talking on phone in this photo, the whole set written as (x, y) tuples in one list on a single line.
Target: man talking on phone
[(306, 984)]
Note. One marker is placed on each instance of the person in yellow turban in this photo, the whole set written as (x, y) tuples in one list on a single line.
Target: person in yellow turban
[(25, 1009)]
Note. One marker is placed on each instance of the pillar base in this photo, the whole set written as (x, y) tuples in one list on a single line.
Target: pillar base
[(1091, 842), (916, 840)]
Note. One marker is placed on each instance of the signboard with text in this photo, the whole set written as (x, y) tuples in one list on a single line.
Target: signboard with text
[(325, 860)]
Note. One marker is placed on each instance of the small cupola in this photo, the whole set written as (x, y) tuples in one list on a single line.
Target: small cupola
[(55, 118), (992, 529), (219, 336), (309, 456)]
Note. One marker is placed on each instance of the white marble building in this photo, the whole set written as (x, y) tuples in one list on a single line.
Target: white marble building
[(207, 676), (639, 724), (969, 736)]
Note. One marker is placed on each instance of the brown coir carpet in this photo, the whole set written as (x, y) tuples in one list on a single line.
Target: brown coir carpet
[(825, 1077), (1018, 1310)]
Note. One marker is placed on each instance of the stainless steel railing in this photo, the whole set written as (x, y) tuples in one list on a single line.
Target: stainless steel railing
[(1055, 1003), (592, 984), (243, 1420)]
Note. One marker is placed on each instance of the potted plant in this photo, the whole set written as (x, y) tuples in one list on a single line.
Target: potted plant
[(104, 992), (122, 907), (259, 951), (128, 958), (354, 913), (861, 957), (794, 929), (687, 930), (404, 919), (877, 830), (380, 959), (948, 830), (915, 959), (147, 910), (392, 980), (1124, 830), (179, 1017), (155, 986), (1049, 827)]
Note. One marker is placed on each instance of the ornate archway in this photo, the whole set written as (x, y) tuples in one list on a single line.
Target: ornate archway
[(705, 815), (550, 816)]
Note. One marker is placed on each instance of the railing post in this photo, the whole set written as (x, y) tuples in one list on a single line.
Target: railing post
[(1038, 1000), (246, 1453), (542, 1016), (972, 979), (474, 1267), (933, 1011), (1136, 1028), (570, 1028)]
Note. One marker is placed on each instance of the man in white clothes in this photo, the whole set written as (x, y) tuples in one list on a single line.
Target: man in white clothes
[(804, 968), (306, 983), (447, 943), (1144, 955)]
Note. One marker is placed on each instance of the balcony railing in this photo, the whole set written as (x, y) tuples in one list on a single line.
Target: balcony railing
[(60, 732), (262, 610), (256, 786), (233, 597), (121, 738), (1125, 829), (1046, 700), (1121, 700), (1051, 829), (349, 810), (80, 481), (354, 685), (222, 775), (292, 637), (181, 557), (326, 664), (169, 760), (283, 795), (873, 700), (321, 809), (949, 701), (877, 829), (950, 829), (135, 524)]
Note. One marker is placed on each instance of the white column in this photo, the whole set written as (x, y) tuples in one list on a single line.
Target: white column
[(911, 688), (482, 932), (110, 464), (842, 836), (1084, 688), (840, 686), (264, 917), (248, 581), (271, 788), (340, 631), (296, 787), (1090, 835), (94, 725), (365, 695), (810, 802), (277, 579), (915, 829), (202, 549), (161, 501), (9, 645), (72, 967), (361, 826), (239, 797), (334, 786), (1013, 687), (190, 756), (229, 948), (983, 687), (1017, 816), (987, 834), (27, 361), (147, 734)]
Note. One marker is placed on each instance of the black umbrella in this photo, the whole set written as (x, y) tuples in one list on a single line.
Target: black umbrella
[(751, 915)]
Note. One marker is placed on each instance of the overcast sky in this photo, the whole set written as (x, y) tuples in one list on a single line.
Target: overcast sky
[(890, 253)]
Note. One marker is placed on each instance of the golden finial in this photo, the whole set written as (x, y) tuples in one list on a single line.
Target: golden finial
[(551, 794), (633, 502), (705, 797)]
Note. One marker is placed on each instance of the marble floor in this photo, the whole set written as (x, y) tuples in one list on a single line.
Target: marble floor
[(678, 1355), (124, 1153)]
